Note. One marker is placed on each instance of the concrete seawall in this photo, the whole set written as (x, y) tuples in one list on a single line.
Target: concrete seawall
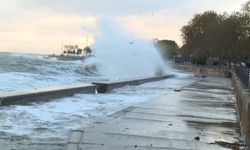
[(220, 71), (45, 94), (102, 87), (48, 93), (243, 106)]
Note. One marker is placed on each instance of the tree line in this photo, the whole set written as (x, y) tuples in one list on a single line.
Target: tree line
[(210, 36)]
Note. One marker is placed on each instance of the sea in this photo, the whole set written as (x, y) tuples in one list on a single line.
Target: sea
[(46, 125)]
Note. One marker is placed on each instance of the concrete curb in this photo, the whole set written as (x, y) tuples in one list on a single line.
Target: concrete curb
[(219, 71), (49, 93), (103, 87), (45, 94)]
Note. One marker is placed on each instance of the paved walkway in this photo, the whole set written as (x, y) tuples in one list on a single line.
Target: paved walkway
[(193, 117)]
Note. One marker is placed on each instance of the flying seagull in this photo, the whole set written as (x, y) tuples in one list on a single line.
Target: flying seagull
[(132, 42)]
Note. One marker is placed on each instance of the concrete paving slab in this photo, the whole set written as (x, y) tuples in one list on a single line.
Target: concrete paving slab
[(193, 118)]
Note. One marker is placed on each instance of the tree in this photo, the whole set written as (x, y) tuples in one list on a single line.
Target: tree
[(235, 35), (246, 7), (167, 48), (202, 34), (211, 35)]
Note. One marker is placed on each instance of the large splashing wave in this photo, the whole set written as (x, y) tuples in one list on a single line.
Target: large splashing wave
[(120, 55)]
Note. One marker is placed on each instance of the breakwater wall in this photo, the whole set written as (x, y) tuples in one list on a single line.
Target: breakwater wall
[(103, 87), (220, 71), (45, 94), (243, 106), (49, 93)]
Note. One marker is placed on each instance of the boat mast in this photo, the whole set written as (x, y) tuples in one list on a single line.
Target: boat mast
[(70, 39), (87, 40), (62, 46)]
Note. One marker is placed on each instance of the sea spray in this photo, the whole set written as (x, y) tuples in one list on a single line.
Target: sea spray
[(120, 55)]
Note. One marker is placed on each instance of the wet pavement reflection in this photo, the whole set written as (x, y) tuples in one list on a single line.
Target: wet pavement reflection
[(200, 115)]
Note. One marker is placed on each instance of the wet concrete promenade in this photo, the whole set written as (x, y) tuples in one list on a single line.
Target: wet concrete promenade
[(192, 117)]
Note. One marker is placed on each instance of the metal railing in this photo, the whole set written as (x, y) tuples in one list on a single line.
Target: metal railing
[(243, 73)]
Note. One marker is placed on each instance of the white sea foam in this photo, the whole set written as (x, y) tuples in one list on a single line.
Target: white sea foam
[(119, 54)]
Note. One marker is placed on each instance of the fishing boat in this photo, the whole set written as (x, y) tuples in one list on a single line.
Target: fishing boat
[(73, 52)]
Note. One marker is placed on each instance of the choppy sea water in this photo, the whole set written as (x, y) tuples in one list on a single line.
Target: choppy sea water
[(20, 72), (46, 125)]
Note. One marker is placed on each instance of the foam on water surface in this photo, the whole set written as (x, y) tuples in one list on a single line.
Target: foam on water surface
[(19, 72)]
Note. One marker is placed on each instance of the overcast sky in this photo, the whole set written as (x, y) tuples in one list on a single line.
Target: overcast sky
[(43, 25)]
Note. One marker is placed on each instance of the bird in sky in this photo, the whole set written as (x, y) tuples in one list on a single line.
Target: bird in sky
[(132, 42)]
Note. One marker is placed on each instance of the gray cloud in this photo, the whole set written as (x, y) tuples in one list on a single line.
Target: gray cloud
[(97, 7), (111, 7)]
